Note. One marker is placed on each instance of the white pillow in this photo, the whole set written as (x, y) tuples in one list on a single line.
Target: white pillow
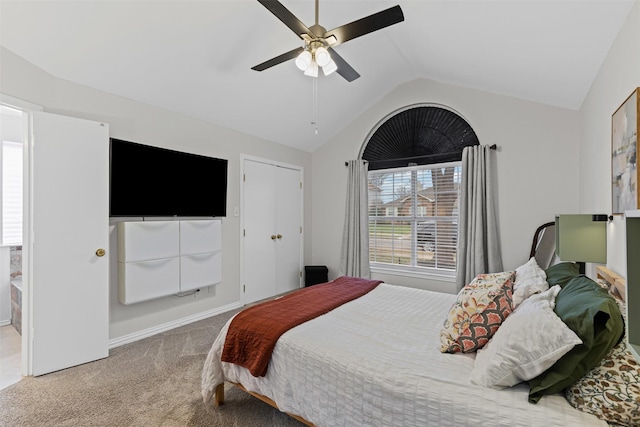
[(530, 280), (529, 341)]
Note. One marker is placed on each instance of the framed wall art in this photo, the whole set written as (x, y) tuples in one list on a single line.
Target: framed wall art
[(625, 123)]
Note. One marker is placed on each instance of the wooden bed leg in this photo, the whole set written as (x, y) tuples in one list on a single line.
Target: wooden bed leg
[(219, 396)]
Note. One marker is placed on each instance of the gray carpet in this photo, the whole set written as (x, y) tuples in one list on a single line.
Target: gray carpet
[(152, 382)]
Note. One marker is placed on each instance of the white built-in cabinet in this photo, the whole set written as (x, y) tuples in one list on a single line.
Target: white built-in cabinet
[(160, 258)]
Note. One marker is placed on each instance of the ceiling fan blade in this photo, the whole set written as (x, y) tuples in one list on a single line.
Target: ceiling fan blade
[(278, 59), (366, 25), (344, 69), (288, 18)]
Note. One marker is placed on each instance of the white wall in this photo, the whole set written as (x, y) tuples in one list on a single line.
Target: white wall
[(536, 165), (619, 75), (139, 122)]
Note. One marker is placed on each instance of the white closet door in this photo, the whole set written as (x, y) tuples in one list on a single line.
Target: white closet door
[(289, 228), (259, 255), (69, 219), (272, 221)]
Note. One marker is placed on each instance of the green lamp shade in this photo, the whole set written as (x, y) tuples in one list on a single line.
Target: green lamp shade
[(580, 239)]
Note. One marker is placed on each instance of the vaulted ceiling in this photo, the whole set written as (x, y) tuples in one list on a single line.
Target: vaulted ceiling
[(195, 57)]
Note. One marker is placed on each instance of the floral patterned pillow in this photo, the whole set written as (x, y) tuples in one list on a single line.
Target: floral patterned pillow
[(611, 390), (478, 312)]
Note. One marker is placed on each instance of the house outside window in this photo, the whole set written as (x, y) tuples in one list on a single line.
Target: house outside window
[(391, 211), (413, 218)]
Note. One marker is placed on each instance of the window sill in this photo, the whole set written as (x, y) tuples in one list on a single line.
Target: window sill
[(9, 245), (417, 273)]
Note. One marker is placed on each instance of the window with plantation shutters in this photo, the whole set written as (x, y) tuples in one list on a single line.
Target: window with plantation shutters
[(415, 168), (11, 220)]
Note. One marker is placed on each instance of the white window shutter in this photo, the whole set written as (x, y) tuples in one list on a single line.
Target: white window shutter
[(11, 193)]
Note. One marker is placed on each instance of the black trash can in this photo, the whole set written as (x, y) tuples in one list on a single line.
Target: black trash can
[(314, 274)]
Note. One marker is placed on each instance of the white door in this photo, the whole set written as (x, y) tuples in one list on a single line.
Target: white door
[(69, 223), (272, 231), (259, 240), (289, 229)]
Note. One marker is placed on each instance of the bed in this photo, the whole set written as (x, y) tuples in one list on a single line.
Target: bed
[(376, 361)]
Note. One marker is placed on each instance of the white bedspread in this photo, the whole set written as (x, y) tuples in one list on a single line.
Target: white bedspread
[(376, 362)]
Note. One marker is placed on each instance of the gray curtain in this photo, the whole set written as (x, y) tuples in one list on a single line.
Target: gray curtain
[(354, 257), (478, 248)]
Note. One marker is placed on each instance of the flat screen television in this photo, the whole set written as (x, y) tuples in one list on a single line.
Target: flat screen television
[(149, 181)]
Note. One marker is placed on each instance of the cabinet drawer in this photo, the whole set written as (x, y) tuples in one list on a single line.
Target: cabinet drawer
[(197, 271), (197, 237), (144, 280), (147, 240)]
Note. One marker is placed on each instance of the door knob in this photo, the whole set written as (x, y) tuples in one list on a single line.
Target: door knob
[(273, 237), (279, 236), (101, 252)]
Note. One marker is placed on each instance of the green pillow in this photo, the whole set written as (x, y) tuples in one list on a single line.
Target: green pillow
[(561, 273), (589, 311)]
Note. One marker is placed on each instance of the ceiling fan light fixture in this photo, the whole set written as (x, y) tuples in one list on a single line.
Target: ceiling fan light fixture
[(331, 40), (317, 38), (322, 56), (329, 68), (312, 70), (304, 60)]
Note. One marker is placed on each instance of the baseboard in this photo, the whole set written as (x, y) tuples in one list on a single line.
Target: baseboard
[(5, 322), (126, 339)]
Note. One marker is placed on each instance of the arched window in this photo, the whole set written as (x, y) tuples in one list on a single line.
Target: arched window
[(418, 135), (415, 167)]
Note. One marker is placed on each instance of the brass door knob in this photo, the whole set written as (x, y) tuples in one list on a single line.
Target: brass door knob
[(279, 236), (101, 252), (273, 237)]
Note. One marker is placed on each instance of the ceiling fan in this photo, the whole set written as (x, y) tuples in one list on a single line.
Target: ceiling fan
[(318, 47)]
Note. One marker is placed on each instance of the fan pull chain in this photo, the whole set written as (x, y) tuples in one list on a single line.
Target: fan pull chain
[(314, 97)]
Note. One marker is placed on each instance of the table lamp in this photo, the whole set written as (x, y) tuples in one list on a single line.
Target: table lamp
[(581, 239)]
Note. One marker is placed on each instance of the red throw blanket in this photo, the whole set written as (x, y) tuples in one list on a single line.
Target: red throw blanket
[(253, 333)]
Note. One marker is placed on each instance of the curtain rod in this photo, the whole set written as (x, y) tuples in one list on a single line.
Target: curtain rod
[(492, 147)]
